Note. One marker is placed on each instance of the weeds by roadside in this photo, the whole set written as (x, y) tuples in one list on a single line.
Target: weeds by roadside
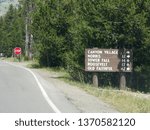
[(123, 101)]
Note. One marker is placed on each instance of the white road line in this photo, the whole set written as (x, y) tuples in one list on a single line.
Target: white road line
[(49, 101)]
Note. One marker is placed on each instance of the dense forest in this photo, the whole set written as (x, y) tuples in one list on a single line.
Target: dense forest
[(62, 29)]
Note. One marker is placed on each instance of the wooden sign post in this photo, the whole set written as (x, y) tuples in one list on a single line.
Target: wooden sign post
[(122, 84), (95, 79)]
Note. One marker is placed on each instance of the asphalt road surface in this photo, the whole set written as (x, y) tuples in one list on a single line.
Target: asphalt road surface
[(21, 91)]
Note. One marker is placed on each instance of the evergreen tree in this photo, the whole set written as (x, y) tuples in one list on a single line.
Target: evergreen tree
[(62, 29)]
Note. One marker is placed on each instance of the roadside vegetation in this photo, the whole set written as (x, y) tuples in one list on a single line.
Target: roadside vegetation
[(123, 101), (62, 29)]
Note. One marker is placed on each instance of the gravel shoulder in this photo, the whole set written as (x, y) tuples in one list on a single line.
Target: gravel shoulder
[(81, 100)]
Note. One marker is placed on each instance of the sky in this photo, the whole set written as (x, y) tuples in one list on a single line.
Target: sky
[(4, 5)]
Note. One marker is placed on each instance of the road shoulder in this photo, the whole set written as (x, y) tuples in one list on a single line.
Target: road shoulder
[(82, 100)]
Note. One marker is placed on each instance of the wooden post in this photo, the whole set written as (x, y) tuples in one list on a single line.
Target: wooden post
[(95, 79), (122, 81)]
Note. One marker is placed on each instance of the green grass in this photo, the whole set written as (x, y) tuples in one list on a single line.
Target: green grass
[(123, 101), (34, 65)]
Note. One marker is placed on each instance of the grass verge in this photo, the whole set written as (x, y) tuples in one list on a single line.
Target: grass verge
[(123, 101)]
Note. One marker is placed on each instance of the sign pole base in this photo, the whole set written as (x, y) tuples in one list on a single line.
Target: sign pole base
[(122, 81), (95, 79)]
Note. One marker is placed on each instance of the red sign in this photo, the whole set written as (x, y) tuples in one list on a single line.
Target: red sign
[(17, 50)]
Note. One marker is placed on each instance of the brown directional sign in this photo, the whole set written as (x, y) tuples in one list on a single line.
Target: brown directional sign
[(108, 60)]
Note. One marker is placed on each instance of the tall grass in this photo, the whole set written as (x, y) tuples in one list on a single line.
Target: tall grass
[(123, 101)]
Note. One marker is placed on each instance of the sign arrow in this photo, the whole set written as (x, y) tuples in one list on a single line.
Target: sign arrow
[(128, 60), (128, 69), (128, 56), (128, 52), (128, 64)]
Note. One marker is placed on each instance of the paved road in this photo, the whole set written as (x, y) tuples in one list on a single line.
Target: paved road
[(30, 91), (22, 91)]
